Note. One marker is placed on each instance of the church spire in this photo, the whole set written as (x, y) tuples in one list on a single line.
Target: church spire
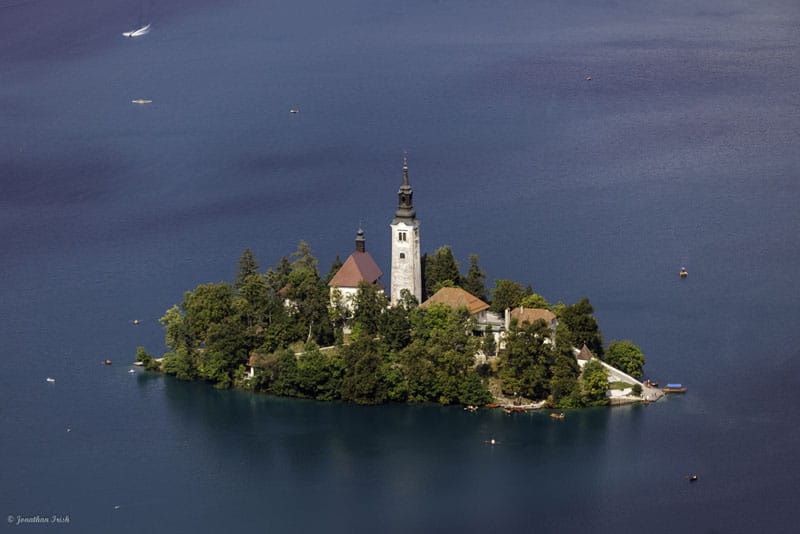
[(405, 206)]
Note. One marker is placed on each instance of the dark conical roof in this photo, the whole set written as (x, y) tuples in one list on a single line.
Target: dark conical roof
[(405, 205)]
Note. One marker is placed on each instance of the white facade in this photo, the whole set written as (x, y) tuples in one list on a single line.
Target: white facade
[(406, 262)]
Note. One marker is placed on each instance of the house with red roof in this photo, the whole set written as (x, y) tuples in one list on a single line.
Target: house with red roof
[(486, 322), (531, 315), (359, 267)]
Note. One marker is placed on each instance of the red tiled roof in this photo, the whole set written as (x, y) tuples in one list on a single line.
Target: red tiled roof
[(455, 297), (585, 354), (531, 315), (359, 266), (256, 360)]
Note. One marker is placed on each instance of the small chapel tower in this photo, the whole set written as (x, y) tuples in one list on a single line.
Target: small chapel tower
[(406, 264)]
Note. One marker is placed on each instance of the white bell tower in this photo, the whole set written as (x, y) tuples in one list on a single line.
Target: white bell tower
[(406, 264)]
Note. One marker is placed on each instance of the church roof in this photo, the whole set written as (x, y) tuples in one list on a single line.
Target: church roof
[(455, 297), (531, 315), (359, 266)]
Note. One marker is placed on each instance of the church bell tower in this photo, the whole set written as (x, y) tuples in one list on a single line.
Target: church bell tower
[(406, 264)]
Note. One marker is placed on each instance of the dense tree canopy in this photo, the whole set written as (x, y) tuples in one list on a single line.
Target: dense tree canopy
[(626, 356), (507, 294), (595, 384), (248, 266), (578, 327), (278, 321), (475, 280), (441, 269)]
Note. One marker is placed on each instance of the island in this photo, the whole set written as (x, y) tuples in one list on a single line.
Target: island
[(436, 337)]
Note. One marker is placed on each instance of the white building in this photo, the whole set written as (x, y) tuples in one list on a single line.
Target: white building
[(357, 268), (406, 263)]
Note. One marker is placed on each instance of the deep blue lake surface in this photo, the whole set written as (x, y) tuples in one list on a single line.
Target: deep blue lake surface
[(682, 149)]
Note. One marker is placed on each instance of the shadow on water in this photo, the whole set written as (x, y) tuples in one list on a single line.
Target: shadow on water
[(426, 456)]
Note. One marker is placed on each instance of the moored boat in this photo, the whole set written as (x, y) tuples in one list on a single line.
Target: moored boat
[(674, 388), (558, 415)]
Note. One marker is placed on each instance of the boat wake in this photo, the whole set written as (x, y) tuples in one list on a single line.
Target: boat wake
[(144, 30)]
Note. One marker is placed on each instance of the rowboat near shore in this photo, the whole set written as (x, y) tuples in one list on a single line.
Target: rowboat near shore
[(674, 388)]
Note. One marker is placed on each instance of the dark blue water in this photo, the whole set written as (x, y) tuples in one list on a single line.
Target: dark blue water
[(681, 150)]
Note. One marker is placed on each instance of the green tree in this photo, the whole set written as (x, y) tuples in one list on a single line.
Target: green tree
[(473, 390), (419, 369), (369, 305), (285, 374), (577, 326), (534, 300), (444, 348), (309, 297), (474, 281), (147, 360), (489, 344), (208, 304), (248, 266), (252, 302), (339, 314), (318, 376), (524, 365), (395, 328), (227, 348), (626, 356), (303, 259), (278, 278), (335, 266), (363, 381), (180, 363), (595, 384), (176, 329), (507, 294), (565, 389), (439, 267)]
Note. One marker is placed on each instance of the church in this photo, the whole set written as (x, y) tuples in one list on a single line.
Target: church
[(406, 264)]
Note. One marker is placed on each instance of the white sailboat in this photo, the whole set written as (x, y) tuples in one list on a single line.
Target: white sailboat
[(144, 30)]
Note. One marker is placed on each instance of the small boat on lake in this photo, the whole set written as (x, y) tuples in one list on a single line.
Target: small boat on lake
[(684, 273), (144, 30), (141, 101), (107, 361), (558, 415), (674, 388), (51, 380)]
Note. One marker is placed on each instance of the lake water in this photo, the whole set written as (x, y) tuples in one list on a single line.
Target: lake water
[(682, 150)]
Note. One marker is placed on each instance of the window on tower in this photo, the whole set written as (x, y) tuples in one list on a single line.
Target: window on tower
[(402, 255), (402, 236)]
